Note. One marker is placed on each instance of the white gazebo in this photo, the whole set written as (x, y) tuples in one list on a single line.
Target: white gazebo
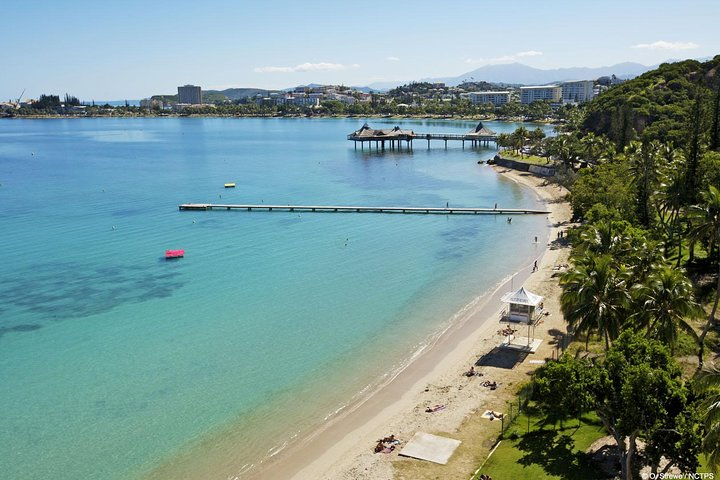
[(524, 308)]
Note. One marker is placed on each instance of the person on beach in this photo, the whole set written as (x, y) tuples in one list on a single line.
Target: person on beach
[(535, 267)]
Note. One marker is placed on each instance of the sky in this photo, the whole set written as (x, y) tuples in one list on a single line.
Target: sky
[(132, 49)]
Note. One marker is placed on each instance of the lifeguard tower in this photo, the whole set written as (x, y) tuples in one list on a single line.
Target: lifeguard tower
[(524, 309)]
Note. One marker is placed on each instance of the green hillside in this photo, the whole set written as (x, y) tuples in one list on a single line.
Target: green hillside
[(657, 104)]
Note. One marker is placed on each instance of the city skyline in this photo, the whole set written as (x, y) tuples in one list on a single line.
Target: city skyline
[(131, 49)]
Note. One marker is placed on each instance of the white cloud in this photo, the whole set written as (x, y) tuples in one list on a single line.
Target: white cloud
[(306, 67), (505, 58), (663, 45), (392, 59), (529, 53)]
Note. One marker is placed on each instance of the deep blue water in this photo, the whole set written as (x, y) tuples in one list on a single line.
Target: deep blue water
[(115, 362)]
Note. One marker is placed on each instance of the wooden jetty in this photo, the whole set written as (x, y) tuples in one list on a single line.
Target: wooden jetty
[(479, 136), (357, 209)]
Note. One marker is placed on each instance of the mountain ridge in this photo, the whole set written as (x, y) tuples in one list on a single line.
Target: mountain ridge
[(521, 74)]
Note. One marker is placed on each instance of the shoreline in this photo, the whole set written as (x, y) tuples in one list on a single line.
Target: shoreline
[(342, 448), (227, 115)]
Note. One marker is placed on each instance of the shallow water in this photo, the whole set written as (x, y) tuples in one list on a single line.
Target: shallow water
[(116, 363)]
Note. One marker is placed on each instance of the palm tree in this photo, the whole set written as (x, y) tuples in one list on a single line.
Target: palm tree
[(601, 238), (668, 199), (562, 148), (595, 297), (591, 148), (644, 158), (665, 302), (708, 382), (707, 225), (518, 138), (503, 140)]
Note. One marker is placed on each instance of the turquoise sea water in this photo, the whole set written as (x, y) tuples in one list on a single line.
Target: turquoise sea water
[(117, 364)]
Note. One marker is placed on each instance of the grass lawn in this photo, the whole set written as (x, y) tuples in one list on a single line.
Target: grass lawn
[(531, 159), (546, 453)]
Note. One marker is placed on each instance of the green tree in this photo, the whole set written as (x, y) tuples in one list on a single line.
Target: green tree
[(518, 139), (644, 160), (595, 297), (668, 200), (707, 225), (563, 148), (607, 184), (621, 126), (693, 150), (638, 393), (567, 388), (707, 383), (664, 303)]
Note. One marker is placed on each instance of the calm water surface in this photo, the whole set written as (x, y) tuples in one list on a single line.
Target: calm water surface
[(117, 364)]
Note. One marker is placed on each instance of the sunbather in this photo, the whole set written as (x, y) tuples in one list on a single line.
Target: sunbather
[(434, 409)]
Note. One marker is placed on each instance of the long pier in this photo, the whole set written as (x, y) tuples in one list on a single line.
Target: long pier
[(357, 209), (478, 137)]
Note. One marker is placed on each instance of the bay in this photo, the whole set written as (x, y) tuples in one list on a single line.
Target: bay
[(115, 363)]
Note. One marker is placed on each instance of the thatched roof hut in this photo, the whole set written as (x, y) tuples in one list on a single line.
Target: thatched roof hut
[(367, 133), (481, 131)]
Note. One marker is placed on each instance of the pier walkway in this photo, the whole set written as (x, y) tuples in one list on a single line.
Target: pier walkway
[(352, 209), (480, 136)]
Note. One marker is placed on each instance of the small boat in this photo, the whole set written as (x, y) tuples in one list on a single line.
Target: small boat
[(170, 254), (229, 185)]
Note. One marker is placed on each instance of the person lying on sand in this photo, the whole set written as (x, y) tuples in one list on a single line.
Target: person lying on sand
[(434, 409), (391, 439), (382, 446), (491, 385)]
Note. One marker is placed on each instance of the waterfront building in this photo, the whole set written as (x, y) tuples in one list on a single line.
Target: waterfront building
[(304, 101), (347, 99), (546, 93), (190, 94), (496, 98), (577, 91), (152, 103)]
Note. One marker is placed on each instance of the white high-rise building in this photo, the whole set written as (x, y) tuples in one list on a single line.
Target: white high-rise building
[(496, 98), (547, 93), (577, 91)]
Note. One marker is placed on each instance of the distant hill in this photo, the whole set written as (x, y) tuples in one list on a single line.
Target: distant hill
[(519, 74)]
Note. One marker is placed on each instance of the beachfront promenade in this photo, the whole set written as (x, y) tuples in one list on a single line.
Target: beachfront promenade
[(358, 209), (478, 137)]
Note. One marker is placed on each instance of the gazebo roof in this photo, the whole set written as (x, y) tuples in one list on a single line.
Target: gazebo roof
[(365, 132), (522, 297), (481, 130)]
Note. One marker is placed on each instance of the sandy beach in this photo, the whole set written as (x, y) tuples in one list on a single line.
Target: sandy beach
[(343, 448)]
